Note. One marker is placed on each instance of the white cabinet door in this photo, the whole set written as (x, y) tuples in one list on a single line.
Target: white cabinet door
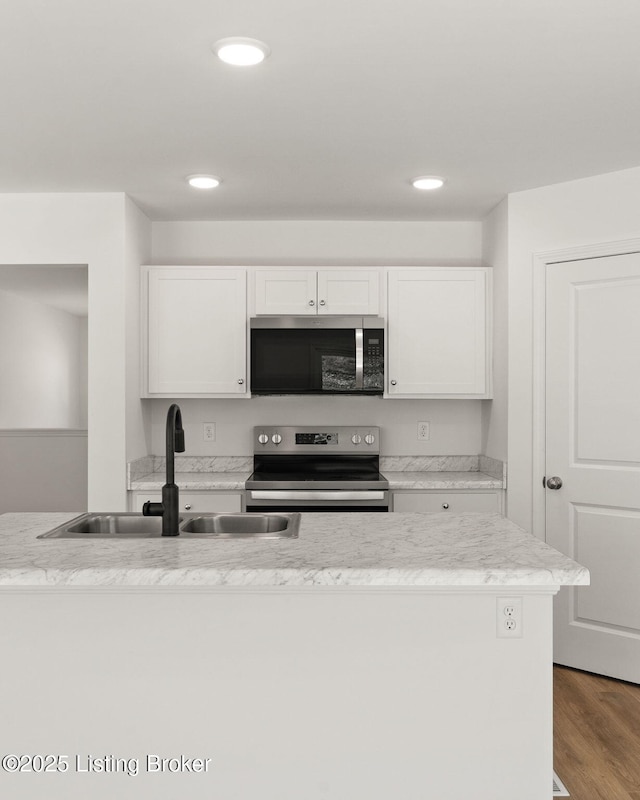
[(286, 291), (437, 332), (196, 336), (354, 291), (323, 291)]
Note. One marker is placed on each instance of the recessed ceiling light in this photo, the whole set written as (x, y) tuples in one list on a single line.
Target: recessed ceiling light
[(427, 182), (203, 181), (241, 51)]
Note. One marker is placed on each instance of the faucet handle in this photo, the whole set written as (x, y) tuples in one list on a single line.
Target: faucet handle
[(150, 509)]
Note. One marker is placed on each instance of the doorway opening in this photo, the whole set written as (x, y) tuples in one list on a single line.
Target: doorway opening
[(43, 400)]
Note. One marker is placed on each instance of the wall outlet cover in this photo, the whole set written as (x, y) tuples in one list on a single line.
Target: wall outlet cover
[(509, 623)]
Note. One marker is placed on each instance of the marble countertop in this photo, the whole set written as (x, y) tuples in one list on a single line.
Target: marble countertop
[(234, 481), (334, 549)]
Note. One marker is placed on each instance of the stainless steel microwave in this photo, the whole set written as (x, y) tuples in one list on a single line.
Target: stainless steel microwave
[(317, 355)]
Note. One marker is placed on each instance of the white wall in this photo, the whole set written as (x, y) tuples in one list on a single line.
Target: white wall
[(86, 229), (314, 242), (604, 208), (137, 251), (43, 365), (43, 470), (455, 425), (495, 254)]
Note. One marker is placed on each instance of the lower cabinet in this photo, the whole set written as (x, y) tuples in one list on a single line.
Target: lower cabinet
[(193, 502), (452, 501)]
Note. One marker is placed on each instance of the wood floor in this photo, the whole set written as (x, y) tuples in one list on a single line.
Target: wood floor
[(596, 735)]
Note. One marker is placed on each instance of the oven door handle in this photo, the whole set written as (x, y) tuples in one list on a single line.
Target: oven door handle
[(359, 358), (315, 495)]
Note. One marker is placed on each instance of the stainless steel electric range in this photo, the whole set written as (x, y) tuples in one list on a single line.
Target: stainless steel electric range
[(321, 468)]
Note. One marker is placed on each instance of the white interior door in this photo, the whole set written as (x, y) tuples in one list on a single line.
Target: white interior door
[(593, 446)]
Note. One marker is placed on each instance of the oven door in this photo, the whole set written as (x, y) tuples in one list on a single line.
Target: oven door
[(317, 500)]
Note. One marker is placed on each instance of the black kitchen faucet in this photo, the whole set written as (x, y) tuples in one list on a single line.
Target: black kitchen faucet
[(169, 508)]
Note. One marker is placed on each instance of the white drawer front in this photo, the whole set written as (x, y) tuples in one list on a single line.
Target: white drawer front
[(194, 502), (446, 501)]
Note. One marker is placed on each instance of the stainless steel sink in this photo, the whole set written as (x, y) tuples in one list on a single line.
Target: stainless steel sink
[(125, 524), (132, 525), (264, 526)]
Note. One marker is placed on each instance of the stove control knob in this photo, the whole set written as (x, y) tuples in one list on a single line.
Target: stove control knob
[(356, 438), (276, 438), (369, 438), (263, 438)]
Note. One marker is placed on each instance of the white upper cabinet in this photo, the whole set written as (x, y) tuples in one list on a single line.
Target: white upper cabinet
[(317, 291), (438, 340), (349, 291), (196, 332)]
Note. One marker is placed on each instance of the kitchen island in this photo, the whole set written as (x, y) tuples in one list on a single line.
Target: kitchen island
[(366, 659)]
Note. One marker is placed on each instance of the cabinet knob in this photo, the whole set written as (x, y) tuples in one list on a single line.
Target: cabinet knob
[(322, 303), (393, 383), (445, 506), (312, 302), (187, 506), (240, 381)]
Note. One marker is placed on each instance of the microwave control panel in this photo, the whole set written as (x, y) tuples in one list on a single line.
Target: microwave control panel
[(374, 347)]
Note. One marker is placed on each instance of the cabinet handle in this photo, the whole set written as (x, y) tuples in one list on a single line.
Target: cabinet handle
[(187, 506), (322, 303), (311, 302), (393, 383), (240, 381), (445, 506)]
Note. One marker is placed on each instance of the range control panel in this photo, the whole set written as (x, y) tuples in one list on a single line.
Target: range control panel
[(307, 439), (317, 438)]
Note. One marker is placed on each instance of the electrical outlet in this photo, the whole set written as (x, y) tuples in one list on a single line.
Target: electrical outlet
[(509, 618), (209, 431), (423, 431)]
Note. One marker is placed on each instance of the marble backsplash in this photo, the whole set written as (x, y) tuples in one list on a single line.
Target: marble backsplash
[(429, 464), (149, 464), (493, 467), (484, 464)]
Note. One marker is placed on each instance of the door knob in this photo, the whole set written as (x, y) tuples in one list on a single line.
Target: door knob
[(554, 482)]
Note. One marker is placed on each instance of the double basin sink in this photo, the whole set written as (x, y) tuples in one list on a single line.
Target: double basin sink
[(132, 525)]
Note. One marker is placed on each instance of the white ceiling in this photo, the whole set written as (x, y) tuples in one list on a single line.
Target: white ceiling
[(357, 97)]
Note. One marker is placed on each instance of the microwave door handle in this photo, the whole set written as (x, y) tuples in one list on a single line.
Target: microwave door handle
[(359, 358)]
